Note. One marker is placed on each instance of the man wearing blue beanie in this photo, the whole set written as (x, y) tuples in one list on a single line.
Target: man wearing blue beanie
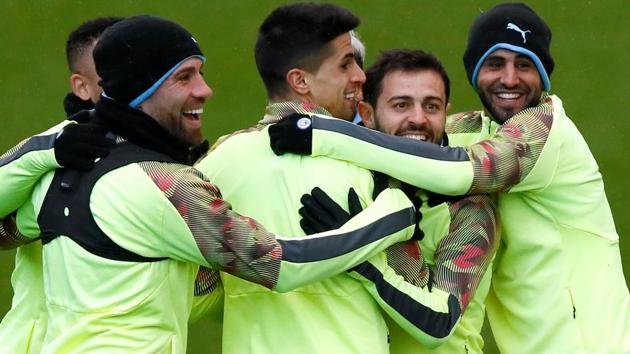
[(558, 284)]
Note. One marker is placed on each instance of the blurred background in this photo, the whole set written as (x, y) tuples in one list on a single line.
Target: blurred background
[(590, 46)]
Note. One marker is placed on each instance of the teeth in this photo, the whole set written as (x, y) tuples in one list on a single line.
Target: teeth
[(194, 111), (350, 95), (508, 95), (417, 137)]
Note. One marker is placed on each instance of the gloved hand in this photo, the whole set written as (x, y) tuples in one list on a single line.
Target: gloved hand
[(78, 145), (412, 193), (320, 213), (293, 133), (73, 104), (436, 199), (381, 181)]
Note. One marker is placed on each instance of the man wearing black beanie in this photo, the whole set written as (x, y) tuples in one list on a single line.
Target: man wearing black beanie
[(123, 242), (558, 284)]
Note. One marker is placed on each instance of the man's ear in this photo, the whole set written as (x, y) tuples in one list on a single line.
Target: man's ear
[(367, 114), (298, 81), (448, 107), (79, 86)]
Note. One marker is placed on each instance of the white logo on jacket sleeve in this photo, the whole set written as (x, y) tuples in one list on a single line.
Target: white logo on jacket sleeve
[(304, 123), (517, 29)]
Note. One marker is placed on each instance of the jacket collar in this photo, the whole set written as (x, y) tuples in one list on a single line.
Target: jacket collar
[(141, 129), (275, 111)]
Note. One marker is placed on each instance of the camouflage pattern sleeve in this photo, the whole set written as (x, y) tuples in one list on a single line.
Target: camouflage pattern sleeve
[(10, 236), (208, 295), (505, 160), (228, 241), (463, 256), (207, 280), (238, 245), (428, 301), (489, 166)]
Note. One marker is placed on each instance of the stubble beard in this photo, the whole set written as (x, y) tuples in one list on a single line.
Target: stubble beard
[(501, 115)]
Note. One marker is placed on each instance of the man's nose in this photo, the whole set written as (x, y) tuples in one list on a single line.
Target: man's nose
[(417, 116), (509, 76), (202, 90), (358, 76)]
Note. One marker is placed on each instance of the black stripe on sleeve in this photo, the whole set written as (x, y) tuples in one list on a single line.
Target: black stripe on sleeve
[(36, 143), (314, 249), (392, 142), (435, 324)]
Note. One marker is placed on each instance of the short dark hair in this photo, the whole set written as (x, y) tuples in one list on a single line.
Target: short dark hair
[(409, 60), (83, 37), (298, 36)]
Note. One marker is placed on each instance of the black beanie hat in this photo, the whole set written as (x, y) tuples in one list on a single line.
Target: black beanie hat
[(515, 27), (134, 56)]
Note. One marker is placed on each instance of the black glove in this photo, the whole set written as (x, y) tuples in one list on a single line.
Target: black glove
[(73, 104), (381, 181), (437, 199), (412, 193), (320, 213), (293, 133), (78, 145)]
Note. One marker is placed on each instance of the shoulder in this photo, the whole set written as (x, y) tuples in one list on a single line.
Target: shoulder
[(464, 122), (238, 133)]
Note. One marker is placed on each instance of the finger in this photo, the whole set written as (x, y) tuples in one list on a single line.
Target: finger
[(334, 209), (79, 163), (380, 183), (306, 227), (354, 204), (101, 140), (91, 133), (312, 221), (316, 211), (88, 151)]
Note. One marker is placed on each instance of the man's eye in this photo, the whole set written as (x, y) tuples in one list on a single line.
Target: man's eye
[(183, 77), (400, 105), (493, 64)]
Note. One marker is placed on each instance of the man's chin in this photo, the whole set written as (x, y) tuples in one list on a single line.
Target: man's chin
[(501, 115), (346, 115), (192, 139)]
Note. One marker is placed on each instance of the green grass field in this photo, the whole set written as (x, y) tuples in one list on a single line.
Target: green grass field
[(590, 47)]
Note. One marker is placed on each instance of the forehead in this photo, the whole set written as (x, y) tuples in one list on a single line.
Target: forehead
[(415, 83), (507, 55), (341, 46), (190, 64)]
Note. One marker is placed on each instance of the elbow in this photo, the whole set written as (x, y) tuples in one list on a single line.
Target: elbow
[(434, 328)]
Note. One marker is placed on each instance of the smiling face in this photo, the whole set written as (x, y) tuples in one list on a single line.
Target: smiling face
[(508, 82), (336, 86), (178, 104), (411, 104)]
